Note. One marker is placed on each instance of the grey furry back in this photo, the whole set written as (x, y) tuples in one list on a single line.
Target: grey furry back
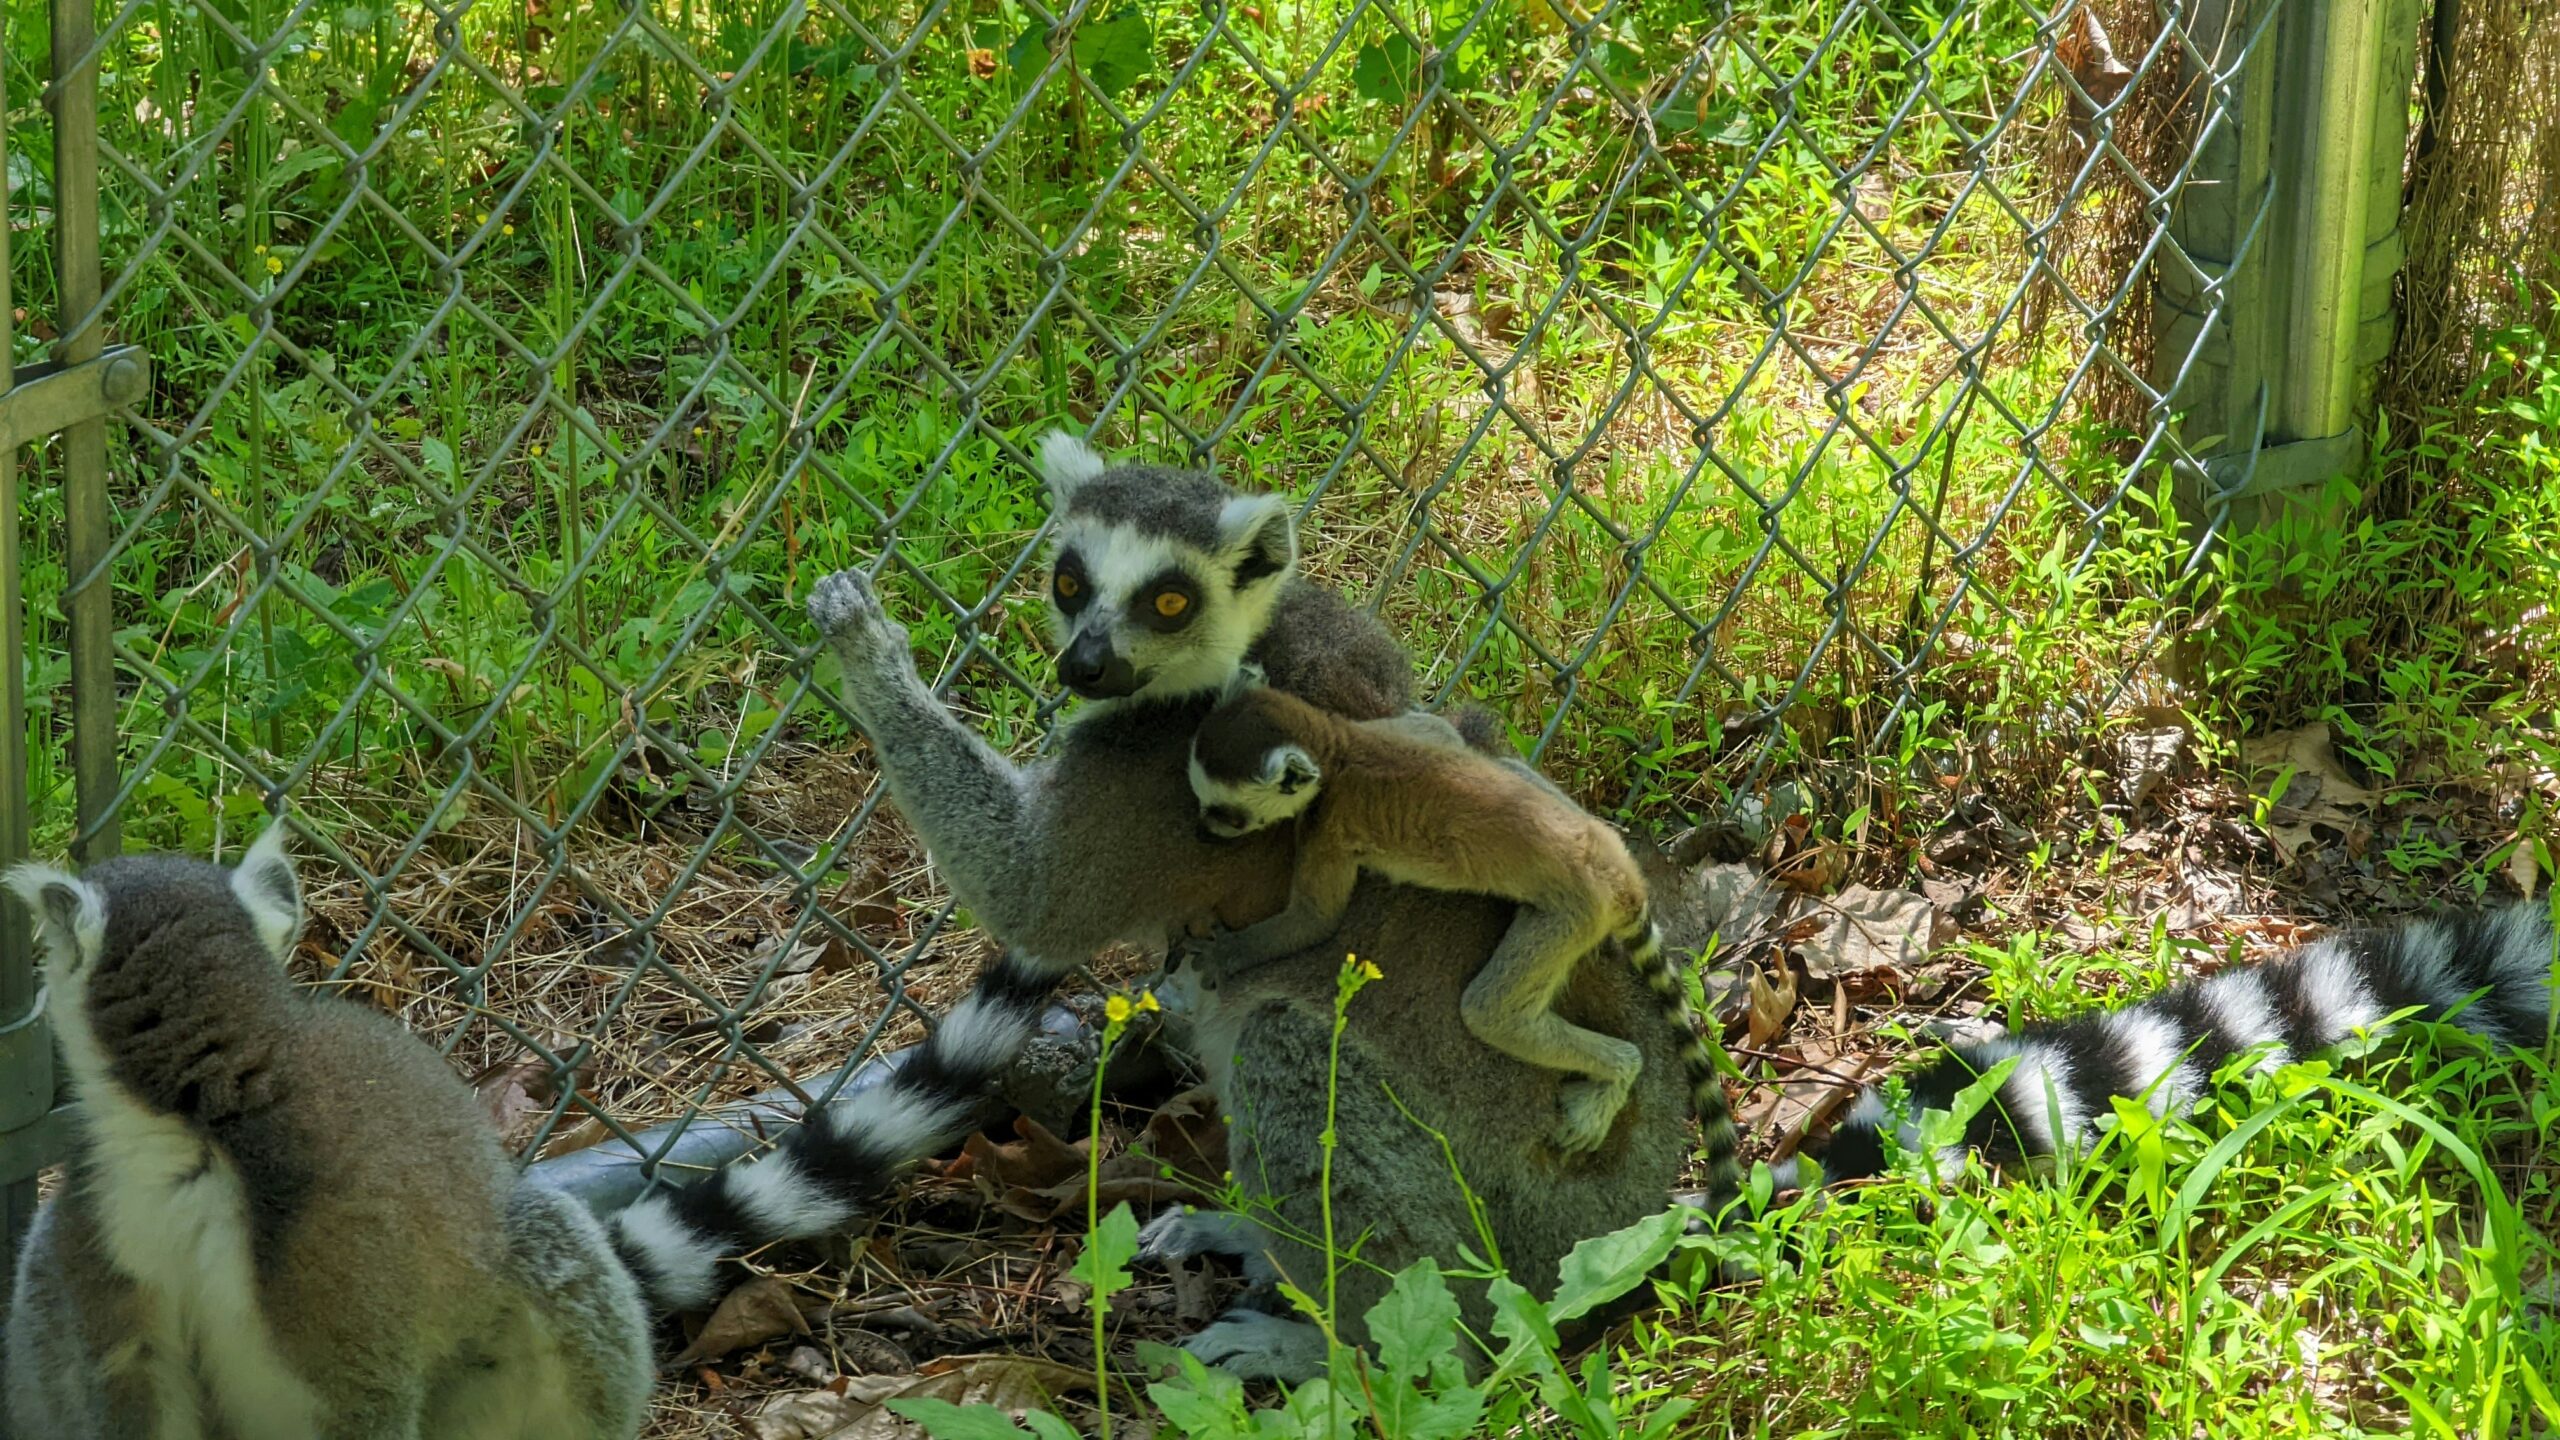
[(1334, 656), (1407, 1071)]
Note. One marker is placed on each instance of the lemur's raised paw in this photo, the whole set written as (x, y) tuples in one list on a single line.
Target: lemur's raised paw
[(846, 609), (1590, 1108)]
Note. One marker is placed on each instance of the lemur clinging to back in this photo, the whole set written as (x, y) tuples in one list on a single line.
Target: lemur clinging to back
[(1408, 801), (286, 1218), (1166, 584)]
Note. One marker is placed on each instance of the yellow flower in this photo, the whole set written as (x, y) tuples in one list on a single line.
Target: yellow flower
[(1369, 971), (274, 266), (1147, 1001), (484, 217), (1117, 1010), (260, 250), (506, 229)]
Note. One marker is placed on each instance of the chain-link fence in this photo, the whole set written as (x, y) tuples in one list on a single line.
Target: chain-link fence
[(1730, 397)]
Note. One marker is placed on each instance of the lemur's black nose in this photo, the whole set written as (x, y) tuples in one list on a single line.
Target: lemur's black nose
[(1090, 668)]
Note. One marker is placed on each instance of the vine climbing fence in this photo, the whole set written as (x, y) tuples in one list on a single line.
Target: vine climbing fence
[(428, 418)]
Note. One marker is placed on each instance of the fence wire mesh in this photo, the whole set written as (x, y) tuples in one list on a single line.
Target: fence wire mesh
[(1732, 398)]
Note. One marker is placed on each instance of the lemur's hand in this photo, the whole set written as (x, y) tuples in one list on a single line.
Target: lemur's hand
[(847, 611)]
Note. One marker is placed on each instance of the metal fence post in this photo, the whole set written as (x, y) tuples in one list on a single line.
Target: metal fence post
[(26, 1058), (88, 598), (2293, 220)]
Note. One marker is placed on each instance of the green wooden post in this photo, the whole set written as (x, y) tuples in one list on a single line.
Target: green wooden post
[(2268, 346)]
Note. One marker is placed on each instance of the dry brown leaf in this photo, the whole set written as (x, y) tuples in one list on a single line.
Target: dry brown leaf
[(857, 1408), (760, 1310), (1067, 1197), (1770, 1004), (2145, 759), (2085, 48), (1186, 1134), (806, 1415), (517, 1098), (1808, 1097), (2317, 790), (1183, 1135), (2522, 867), (1864, 929), (589, 1131), (1738, 903), (1040, 1159), (1815, 868)]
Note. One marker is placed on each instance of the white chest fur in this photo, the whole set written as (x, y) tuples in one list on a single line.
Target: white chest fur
[(174, 1220)]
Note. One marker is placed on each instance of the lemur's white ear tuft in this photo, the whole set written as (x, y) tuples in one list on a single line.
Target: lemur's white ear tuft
[(1068, 464), (1261, 532), (71, 913), (1291, 769), (265, 886)]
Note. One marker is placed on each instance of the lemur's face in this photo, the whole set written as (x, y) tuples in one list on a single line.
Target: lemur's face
[(1280, 789), (1163, 579)]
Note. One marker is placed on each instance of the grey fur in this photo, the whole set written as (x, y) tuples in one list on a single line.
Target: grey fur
[(397, 1279), (1266, 1038), (1098, 844)]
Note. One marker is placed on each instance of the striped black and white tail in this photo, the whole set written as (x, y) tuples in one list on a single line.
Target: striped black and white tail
[(2489, 971), (1642, 942), (819, 1177)]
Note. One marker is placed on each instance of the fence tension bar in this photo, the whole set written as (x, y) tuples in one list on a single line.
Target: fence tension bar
[(49, 397)]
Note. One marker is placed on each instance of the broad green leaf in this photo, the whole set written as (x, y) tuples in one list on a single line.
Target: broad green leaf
[(1389, 70), (1605, 1267), (1104, 1265), (1416, 1322), (945, 1421), (1116, 50)]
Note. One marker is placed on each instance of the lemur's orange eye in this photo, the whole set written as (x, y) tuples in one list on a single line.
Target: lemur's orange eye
[(1171, 603), (1069, 587)]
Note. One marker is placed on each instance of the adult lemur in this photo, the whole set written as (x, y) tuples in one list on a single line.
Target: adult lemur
[(286, 1218), (1165, 584)]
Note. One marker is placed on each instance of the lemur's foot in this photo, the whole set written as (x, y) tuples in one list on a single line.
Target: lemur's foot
[(847, 611), (1590, 1108)]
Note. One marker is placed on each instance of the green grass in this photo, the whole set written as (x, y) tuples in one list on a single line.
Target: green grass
[(754, 297), (2362, 1245), (2360, 1264)]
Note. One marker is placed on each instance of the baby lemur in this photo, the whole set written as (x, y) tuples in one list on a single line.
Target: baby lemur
[(286, 1218), (1403, 798)]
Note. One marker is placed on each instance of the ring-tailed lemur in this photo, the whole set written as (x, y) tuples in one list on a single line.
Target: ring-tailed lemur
[(286, 1218), (2489, 971), (1412, 803), (1166, 584), (1158, 574)]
